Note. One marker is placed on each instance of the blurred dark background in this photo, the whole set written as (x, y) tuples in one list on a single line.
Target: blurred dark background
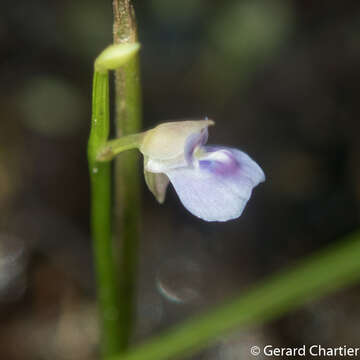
[(281, 79)]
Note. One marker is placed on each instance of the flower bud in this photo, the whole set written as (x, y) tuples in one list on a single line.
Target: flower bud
[(115, 56)]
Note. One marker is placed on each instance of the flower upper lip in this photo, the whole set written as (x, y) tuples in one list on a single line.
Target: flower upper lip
[(168, 140)]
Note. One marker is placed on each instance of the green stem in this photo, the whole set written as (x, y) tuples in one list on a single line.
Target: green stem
[(312, 278), (101, 215), (127, 181)]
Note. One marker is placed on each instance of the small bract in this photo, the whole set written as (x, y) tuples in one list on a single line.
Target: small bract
[(213, 182)]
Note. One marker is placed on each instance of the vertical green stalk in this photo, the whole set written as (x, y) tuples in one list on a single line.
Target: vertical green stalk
[(101, 219), (127, 183)]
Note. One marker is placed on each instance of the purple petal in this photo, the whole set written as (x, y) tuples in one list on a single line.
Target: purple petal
[(234, 160), (192, 142), (218, 188)]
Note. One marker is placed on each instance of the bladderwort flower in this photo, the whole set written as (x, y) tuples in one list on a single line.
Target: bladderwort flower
[(213, 182)]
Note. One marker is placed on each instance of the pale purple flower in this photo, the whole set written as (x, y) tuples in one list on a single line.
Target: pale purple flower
[(213, 182)]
